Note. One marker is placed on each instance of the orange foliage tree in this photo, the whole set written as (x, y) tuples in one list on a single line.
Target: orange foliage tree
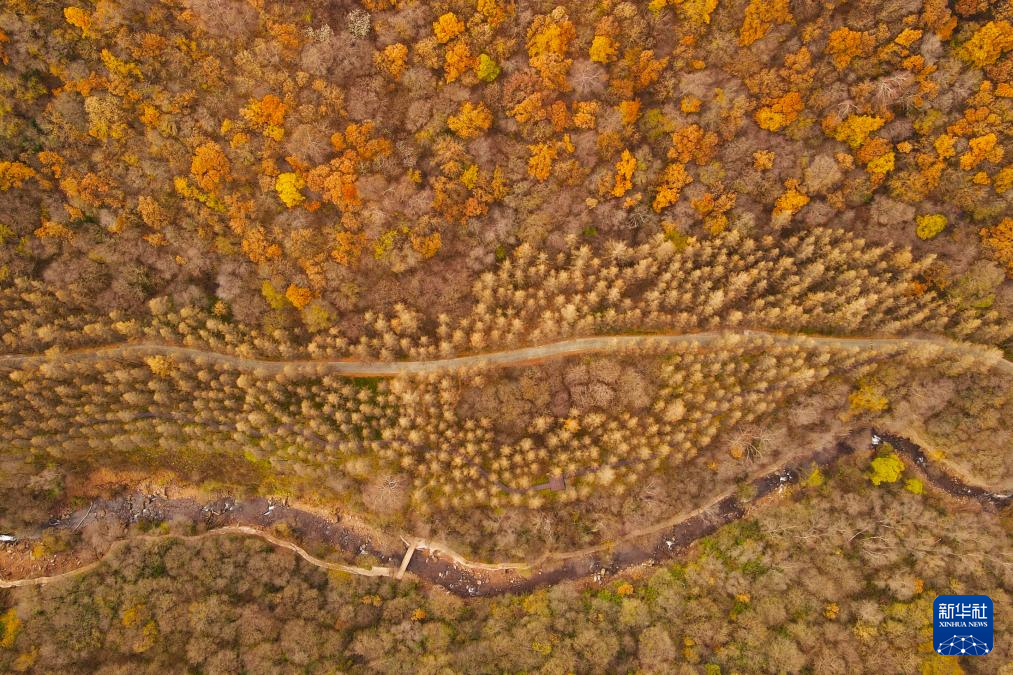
[(625, 167), (392, 59), (673, 179), (471, 120), (692, 142), (548, 43), (267, 115), (760, 16), (988, 43), (78, 18), (541, 159), (780, 112), (14, 175), (603, 49), (845, 44), (639, 70), (336, 180), (458, 60), (999, 242), (209, 166), (298, 296), (447, 27)]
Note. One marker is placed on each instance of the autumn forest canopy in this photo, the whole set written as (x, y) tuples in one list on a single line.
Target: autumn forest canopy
[(520, 278), (291, 170)]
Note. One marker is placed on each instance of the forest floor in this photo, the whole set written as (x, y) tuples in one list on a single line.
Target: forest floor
[(434, 563)]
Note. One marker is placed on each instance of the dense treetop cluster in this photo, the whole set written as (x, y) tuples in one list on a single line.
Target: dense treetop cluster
[(289, 166)]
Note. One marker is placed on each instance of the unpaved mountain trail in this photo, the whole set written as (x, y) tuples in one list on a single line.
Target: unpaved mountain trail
[(510, 357), (437, 564)]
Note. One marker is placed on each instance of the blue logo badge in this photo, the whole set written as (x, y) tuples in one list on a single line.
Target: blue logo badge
[(962, 624)]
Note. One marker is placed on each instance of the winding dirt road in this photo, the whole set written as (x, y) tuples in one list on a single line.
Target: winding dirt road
[(511, 357)]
